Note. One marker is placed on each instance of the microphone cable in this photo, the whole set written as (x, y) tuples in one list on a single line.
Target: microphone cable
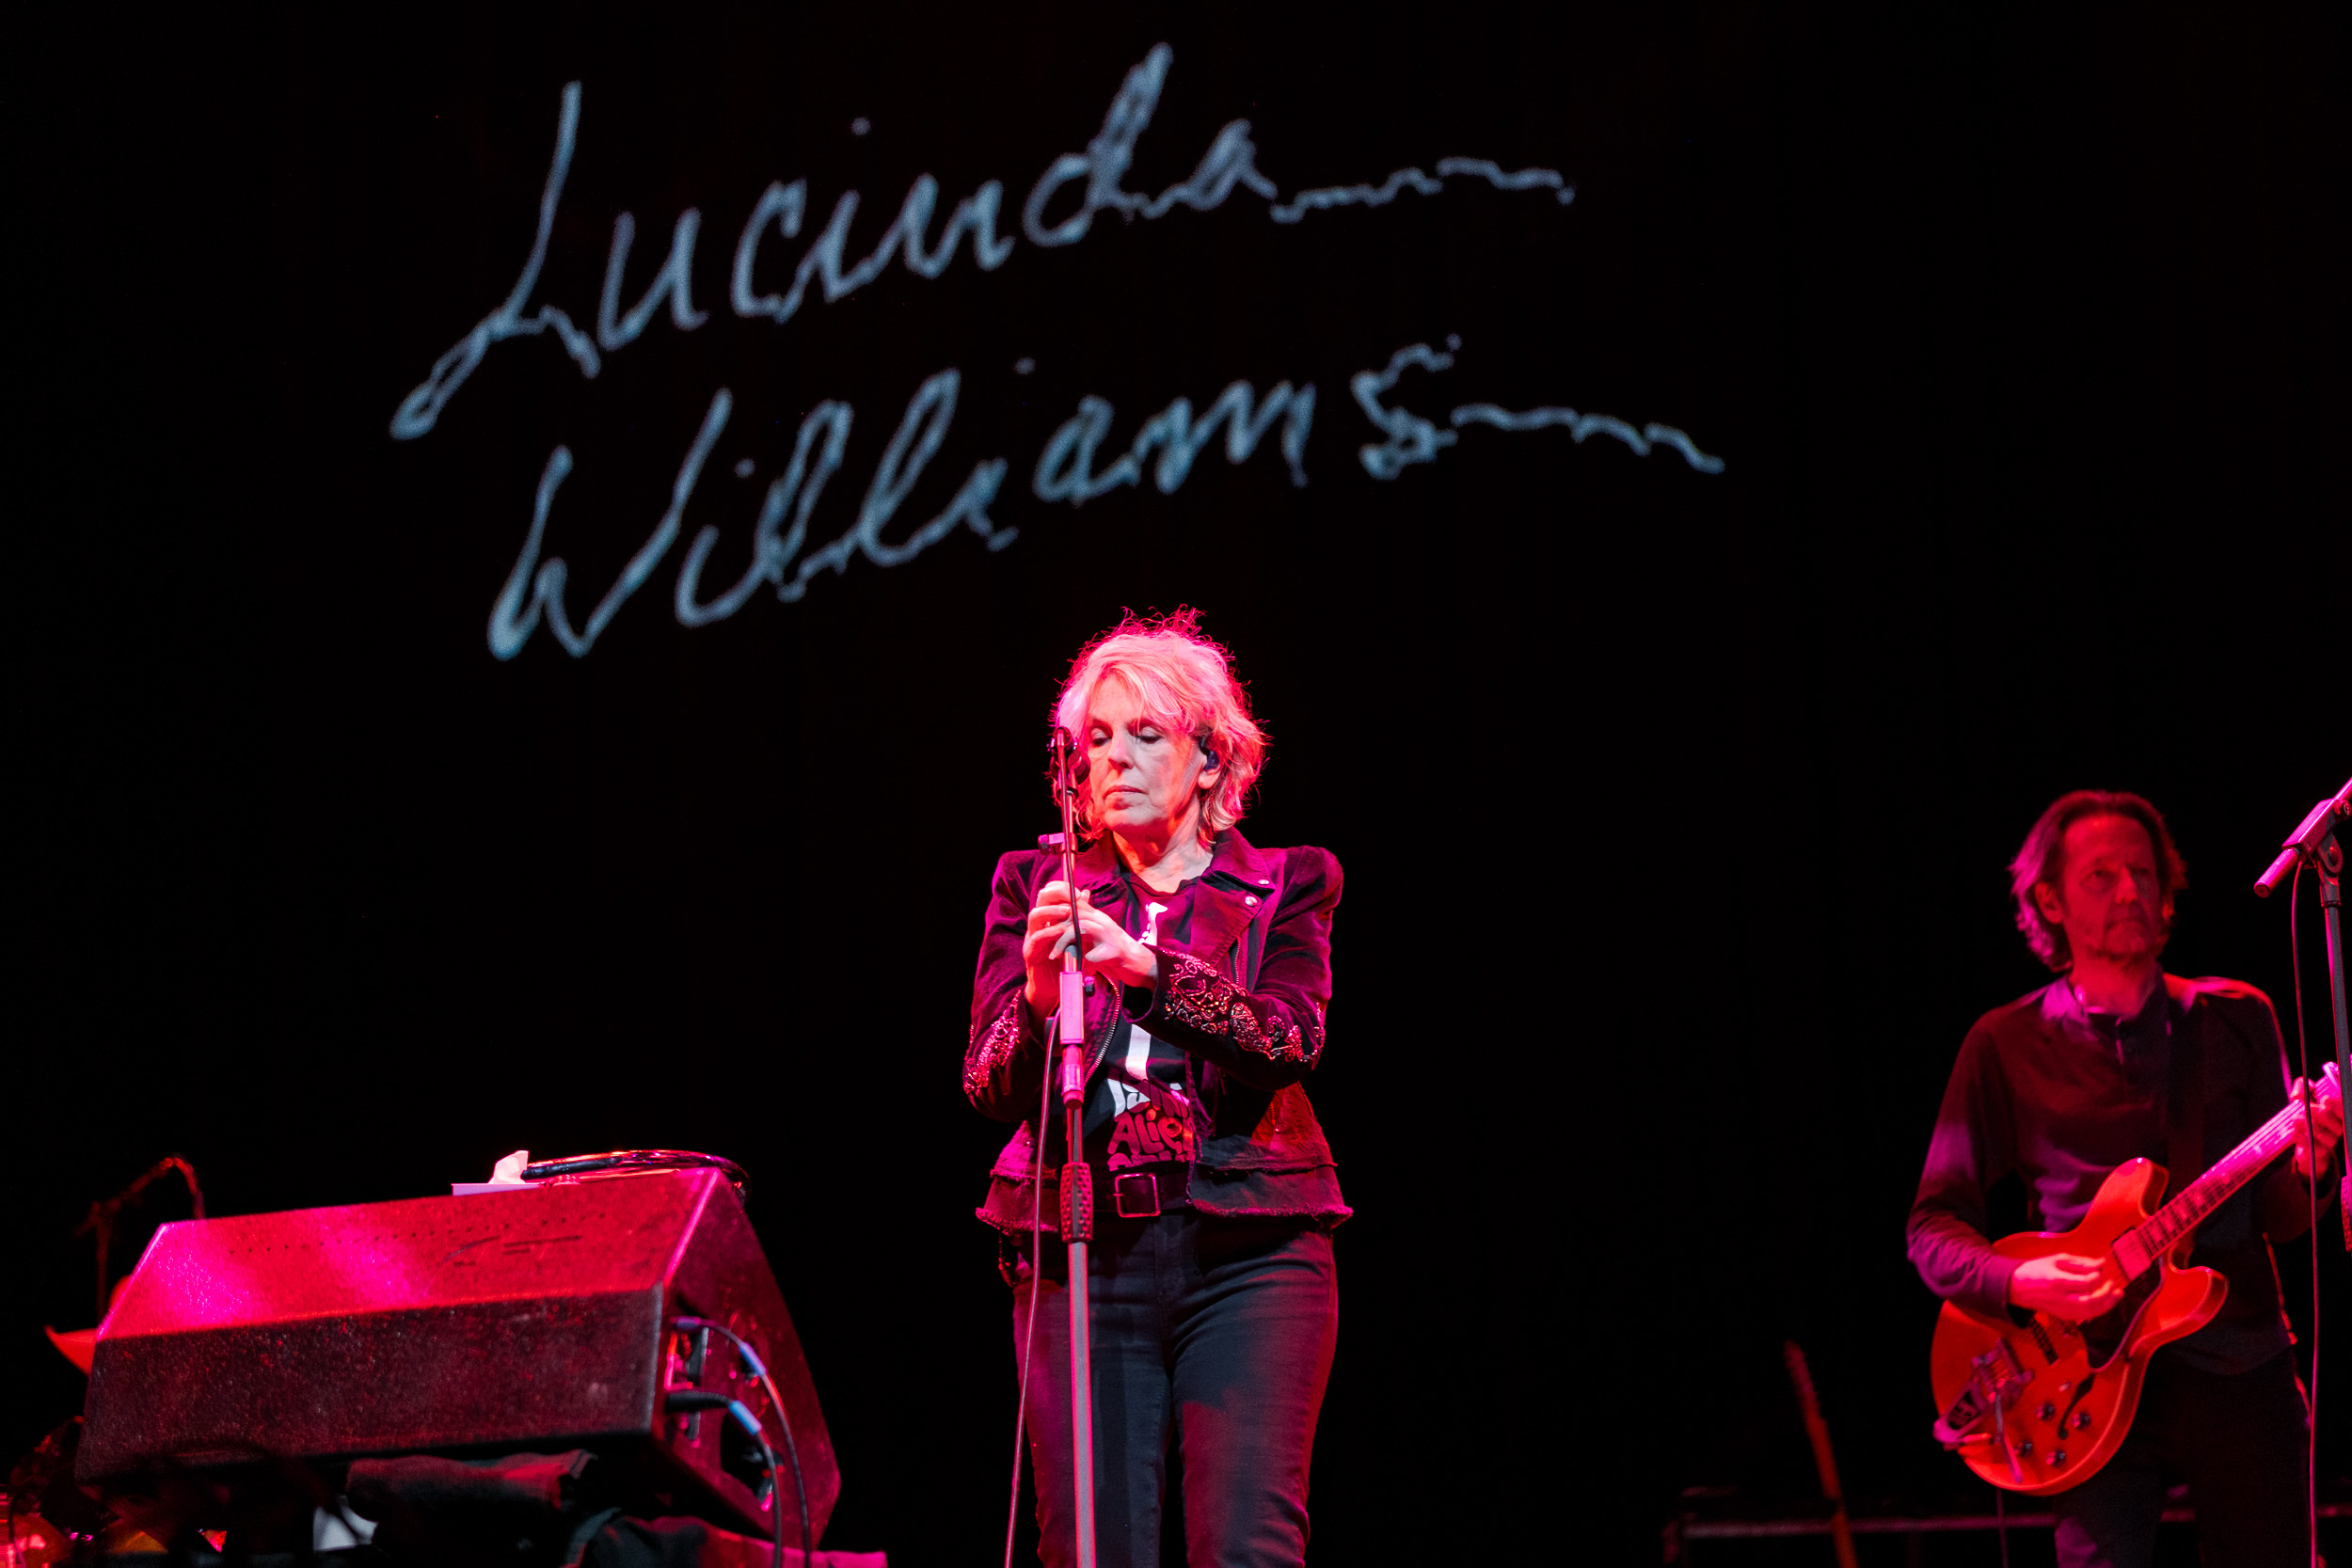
[(1028, 1333), (1036, 1234), (749, 1423)]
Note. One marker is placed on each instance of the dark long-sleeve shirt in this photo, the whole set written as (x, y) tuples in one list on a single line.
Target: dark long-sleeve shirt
[(2061, 1096)]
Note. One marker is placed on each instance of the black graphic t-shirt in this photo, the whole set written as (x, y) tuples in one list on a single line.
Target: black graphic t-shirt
[(1139, 1113)]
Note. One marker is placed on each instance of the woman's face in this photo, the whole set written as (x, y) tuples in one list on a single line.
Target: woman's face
[(1141, 780)]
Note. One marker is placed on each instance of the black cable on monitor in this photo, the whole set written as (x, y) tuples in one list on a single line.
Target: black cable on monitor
[(759, 1369), (640, 1158)]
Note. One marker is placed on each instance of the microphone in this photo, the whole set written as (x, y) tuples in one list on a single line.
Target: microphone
[(1066, 766), (2324, 819), (1067, 770)]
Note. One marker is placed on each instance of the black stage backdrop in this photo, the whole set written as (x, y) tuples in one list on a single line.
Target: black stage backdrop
[(1947, 408)]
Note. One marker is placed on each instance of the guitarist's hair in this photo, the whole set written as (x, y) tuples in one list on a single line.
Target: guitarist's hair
[(2040, 861)]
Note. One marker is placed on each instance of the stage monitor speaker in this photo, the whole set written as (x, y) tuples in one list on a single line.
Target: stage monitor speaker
[(543, 1318)]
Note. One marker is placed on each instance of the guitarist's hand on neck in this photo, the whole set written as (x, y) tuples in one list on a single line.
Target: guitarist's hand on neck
[(2065, 1285), (2109, 904), (2327, 1119)]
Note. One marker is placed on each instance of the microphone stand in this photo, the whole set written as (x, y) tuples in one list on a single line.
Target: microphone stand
[(1078, 1180), (2316, 844)]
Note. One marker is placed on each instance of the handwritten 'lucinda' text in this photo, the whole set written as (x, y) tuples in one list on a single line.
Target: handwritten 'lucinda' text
[(1059, 211)]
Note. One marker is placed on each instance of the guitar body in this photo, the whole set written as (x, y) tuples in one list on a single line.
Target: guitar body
[(2039, 1408)]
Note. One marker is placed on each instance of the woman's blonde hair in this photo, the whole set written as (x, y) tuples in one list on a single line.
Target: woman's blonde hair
[(1186, 683)]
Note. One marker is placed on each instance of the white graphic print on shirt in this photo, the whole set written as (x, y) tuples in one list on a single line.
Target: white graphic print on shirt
[(1152, 1124)]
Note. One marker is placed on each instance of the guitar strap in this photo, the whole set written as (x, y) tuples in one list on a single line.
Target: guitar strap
[(2184, 1118)]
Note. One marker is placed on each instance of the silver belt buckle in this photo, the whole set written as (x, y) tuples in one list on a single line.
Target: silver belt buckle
[(1135, 1196)]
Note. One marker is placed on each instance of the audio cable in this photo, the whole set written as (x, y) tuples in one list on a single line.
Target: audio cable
[(697, 1398)]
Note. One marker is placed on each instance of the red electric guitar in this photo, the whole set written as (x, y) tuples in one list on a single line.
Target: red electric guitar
[(2039, 1408)]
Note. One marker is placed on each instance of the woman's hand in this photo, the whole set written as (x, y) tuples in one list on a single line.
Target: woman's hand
[(1106, 948)]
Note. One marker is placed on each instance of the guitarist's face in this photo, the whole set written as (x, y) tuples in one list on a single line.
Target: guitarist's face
[(2107, 897)]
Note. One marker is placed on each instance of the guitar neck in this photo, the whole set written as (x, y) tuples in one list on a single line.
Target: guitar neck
[(2168, 1226)]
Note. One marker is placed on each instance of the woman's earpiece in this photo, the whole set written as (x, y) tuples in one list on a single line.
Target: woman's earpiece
[(1208, 753)]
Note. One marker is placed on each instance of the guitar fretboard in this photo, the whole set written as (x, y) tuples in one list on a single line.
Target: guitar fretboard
[(2166, 1228)]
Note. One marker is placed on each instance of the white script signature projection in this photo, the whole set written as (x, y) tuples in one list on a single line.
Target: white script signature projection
[(1414, 439), (1414, 179), (1065, 470), (1229, 162), (536, 587), (1059, 211)]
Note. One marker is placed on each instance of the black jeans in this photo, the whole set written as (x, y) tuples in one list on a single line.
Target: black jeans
[(1217, 1331), (2236, 1441)]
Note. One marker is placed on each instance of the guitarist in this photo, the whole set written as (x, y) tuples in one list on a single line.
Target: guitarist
[(2114, 1060)]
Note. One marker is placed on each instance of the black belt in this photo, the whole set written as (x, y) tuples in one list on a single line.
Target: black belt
[(1135, 1196)]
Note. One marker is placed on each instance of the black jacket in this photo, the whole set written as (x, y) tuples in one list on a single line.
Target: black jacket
[(1247, 1003)]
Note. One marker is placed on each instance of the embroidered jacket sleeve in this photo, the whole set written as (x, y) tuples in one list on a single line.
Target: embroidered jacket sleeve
[(1273, 1035), (1975, 1145), (1004, 1056)]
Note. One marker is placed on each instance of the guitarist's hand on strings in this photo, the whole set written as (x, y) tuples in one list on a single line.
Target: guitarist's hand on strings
[(2327, 1121), (2076, 1288), (2065, 1285)]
